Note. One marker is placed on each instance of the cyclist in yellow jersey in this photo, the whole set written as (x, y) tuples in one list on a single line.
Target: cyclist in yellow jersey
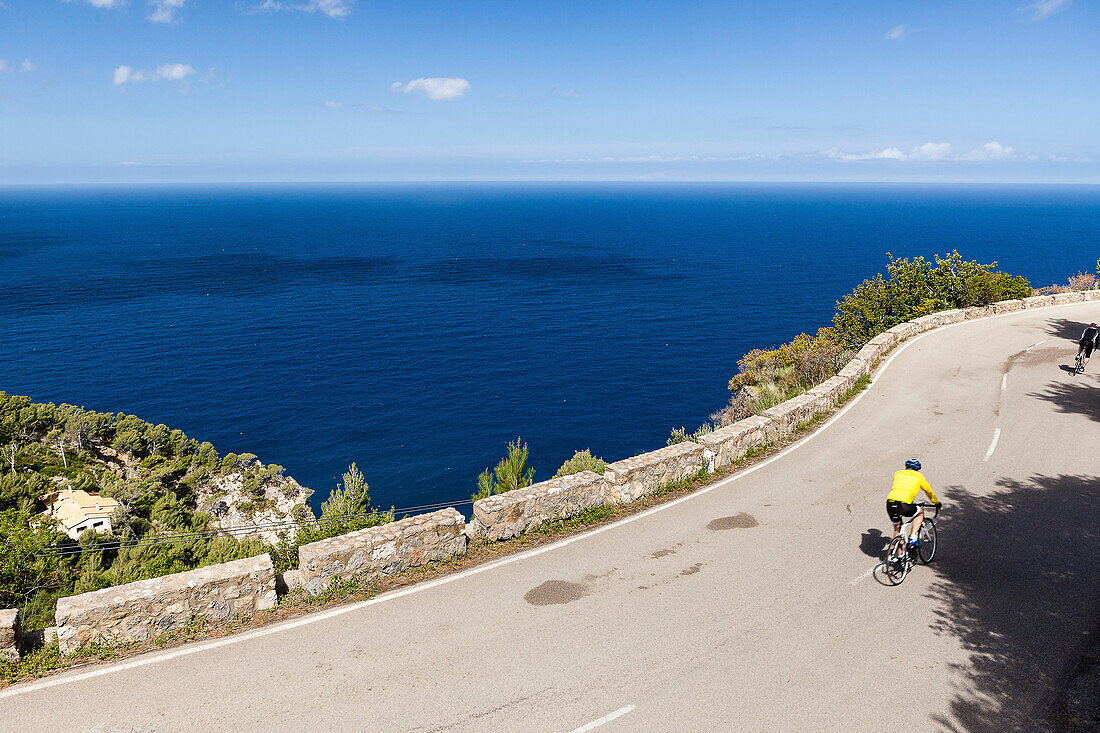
[(899, 502)]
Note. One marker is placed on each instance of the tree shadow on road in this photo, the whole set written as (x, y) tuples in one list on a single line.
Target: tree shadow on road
[(1081, 396), (1066, 328), (1016, 583)]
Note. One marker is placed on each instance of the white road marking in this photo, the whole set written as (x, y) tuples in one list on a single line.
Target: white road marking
[(1004, 382), (865, 576), (340, 611), (1029, 348), (605, 719), (993, 444)]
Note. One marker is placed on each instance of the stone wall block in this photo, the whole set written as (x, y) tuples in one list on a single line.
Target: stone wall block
[(954, 315), (11, 636), (1038, 301), (973, 313), (786, 416), (376, 551), (904, 331), (886, 339), (1067, 298), (1008, 306), (927, 323), (1090, 295), (855, 369), (140, 610), (871, 352), (506, 515), (633, 478), (829, 392), (731, 443)]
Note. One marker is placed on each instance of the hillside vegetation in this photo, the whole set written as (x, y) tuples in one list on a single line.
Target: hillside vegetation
[(159, 476), (909, 289)]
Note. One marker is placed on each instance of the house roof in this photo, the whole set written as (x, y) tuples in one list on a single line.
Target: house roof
[(73, 507)]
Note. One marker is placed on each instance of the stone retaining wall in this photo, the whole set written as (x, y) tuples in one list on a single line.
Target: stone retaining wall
[(11, 638), (146, 608), (731, 443), (633, 478), (506, 515), (382, 550)]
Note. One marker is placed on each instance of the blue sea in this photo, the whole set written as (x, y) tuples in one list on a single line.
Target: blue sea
[(416, 329)]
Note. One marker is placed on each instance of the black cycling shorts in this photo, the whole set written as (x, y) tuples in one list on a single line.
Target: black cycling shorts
[(1087, 345), (900, 511)]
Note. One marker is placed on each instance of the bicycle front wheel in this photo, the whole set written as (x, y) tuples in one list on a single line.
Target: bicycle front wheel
[(927, 541)]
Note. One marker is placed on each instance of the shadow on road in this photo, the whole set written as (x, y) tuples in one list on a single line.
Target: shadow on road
[(872, 543), (1081, 396), (1066, 328), (1016, 581)]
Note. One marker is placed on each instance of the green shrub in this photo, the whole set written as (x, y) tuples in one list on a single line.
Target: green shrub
[(511, 473), (910, 289), (917, 287), (681, 435), (582, 460), (347, 509)]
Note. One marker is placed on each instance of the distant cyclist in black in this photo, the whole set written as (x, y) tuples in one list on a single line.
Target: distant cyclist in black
[(1090, 339)]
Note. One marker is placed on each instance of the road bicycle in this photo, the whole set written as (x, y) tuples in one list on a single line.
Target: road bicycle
[(1079, 363), (901, 556)]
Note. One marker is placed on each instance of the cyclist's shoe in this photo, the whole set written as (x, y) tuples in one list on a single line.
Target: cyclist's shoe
[(914, 544)]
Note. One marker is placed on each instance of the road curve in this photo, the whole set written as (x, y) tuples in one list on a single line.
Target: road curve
[(749, 606)]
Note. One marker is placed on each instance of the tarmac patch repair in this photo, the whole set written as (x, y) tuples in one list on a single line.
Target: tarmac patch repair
[(737, 521), (555, 591)]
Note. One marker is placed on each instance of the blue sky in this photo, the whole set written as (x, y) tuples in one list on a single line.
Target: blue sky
[(336, 90)]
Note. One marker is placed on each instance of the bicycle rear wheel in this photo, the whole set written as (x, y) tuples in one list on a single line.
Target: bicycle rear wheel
[(927, 541), (896, 565)]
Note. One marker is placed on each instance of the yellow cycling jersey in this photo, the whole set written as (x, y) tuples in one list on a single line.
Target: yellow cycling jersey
[(907, 484)]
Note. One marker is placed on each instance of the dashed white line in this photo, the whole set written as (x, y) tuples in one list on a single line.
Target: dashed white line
[(1040, 343), (605, 719), (1004, 382), (863, 577), (993, 444)]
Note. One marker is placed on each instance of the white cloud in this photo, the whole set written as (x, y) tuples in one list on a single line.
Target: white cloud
[(897, 33), (124, 74), (168, 72), (884, 154), (889, 154), (992, 150), (164, 11), (331, 8), (103, 3), (28, 66), (5, 67), (437, 88), (931, 151), (1045, 8), (174, 72), (334, 104)]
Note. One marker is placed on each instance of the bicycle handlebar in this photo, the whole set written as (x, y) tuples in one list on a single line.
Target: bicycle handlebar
[(925, 503)]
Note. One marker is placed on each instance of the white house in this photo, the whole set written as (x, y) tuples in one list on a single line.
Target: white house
[(78, 511)]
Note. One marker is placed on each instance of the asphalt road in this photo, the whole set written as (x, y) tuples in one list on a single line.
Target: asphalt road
[(747, 606)]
